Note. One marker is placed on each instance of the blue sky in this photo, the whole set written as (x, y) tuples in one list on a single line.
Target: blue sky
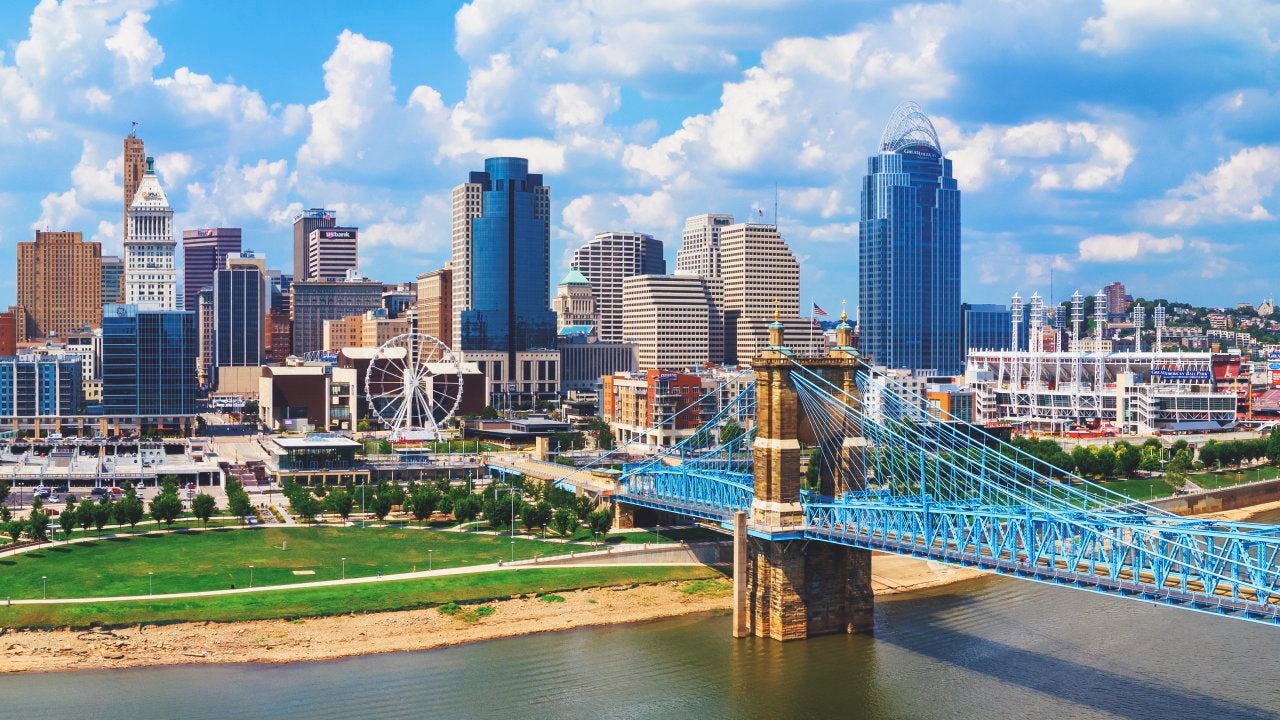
[(1124, 139)]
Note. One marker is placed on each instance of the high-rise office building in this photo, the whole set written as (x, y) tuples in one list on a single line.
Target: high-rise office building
[(314, 301), (134, 165), (501, 260), (760, 278), (112, 278), (205, 324), (150, 277), (148, 362), (669, 319), (987, 327), (435, 304), (909, 250), (59, 283), (204, 251), (303, 225), (1118, 301), (608, 259), (40, 386), (699, 252), (239, 312), (331, 252)]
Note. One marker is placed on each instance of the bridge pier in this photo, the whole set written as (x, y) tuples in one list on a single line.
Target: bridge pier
[(786, 587)]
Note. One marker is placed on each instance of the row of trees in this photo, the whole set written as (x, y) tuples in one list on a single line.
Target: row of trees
[(1123, 459), (536, 507)]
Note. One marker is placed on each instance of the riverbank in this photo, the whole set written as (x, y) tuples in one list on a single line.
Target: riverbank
[(326, 638)]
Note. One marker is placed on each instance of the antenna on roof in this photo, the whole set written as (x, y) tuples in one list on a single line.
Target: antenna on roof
[(775, 204), (133, 132)]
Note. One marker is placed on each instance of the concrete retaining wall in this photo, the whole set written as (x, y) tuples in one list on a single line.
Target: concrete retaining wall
[(711, 553), (1231, 498)]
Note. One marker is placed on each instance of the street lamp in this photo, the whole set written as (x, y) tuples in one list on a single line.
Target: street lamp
[(44, 586), (250, 576), (150, 582), (344, 568), (429, 565), (513, 550)]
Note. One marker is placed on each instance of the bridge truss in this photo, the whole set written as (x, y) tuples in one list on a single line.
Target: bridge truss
[(927, 486)]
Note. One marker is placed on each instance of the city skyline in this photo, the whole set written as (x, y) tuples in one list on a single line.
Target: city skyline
[(1131, 157)]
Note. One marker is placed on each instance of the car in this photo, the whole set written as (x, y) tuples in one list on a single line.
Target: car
[(116, 492), (98, 492), (41, 490)]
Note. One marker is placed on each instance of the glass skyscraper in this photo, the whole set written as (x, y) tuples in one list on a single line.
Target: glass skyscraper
[(909, 250), (510, 262), (148, 361), (987, 327)]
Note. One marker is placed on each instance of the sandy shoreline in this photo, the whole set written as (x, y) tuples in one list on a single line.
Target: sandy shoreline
[(327, 638)]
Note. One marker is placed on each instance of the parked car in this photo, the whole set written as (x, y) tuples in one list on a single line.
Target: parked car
[(116, 493), (98, 492)]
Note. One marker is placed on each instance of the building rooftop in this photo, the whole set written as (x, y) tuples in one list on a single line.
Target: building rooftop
[(317, 440), (575, 277)]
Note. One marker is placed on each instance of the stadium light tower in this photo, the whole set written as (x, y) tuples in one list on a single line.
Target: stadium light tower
[(1158, 318), (1139, 319)]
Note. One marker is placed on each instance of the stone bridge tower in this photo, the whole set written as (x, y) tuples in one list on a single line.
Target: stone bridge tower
[(787, 588)]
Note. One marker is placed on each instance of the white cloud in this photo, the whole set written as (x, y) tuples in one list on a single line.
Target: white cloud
[(357, 77), (573, 105), (1125, 24), (204, 101), (1233, 191), (109, 234), (1002, 262), (1077, 155), (174, 168), (238, 192), (59, 211), (136, 51), (1130, 246), (94, 177)]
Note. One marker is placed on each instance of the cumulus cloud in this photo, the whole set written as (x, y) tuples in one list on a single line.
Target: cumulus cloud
[(137, 52), (1125, 24), (1233, 191), (205, 101), (1057, 155), (1130, 246)]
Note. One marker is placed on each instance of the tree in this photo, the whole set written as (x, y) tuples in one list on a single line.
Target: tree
[(1150, 458), (14, 529), (423, 502), (102, 512), (489, 413), (239, 505), (535, 516), (1127, 458), (381, 503), (466, 508), (5, 487), (341, 501), (811, 479), (1104, 462), (564, 522), (67, 520), (730, 432), (38, 526), (1273, 451), (129, 510), (204, 506), (84, 515), (304, 505), (165, 508), (603, 433), (1210, 454), (1175, 472), (600, 521), (497, 511), (1082, 460)]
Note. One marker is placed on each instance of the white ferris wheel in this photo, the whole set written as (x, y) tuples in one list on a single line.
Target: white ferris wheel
[(413, 385)]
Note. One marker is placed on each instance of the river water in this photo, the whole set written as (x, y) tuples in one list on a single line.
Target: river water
[(991, 648)]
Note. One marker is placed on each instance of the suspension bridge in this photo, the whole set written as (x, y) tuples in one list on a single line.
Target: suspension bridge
[(895, 476)]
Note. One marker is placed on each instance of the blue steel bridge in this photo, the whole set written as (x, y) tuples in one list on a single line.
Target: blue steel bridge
[(896, 478)]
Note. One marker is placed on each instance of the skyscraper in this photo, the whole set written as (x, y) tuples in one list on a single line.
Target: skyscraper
[(435, 304), (134, 165), (150, 278), (575, 305), (668, 317), (608, 259), (987, 327), (699, 252), (204, 251), (331, 252), (909, 250), (501, 260), (148, 362), (239, 312), (303, 225), (314, 301), (760, 277), (112, 278), (59, 283)]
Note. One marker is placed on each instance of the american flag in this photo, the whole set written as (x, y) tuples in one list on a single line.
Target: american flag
[(819, 312)]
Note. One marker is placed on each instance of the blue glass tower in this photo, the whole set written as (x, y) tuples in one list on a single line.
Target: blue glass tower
[(148, 361), (510, 266), (987, 327), (909, 250)]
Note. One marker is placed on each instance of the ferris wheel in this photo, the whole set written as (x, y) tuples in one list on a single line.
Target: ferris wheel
[(413, 385)]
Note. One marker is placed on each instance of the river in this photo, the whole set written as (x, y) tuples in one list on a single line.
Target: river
[(991, 648)]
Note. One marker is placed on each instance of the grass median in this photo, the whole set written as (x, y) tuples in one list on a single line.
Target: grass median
[(342, 599), (221, 559)]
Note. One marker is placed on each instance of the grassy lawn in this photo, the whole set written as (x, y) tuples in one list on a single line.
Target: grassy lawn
[(312, 602), (55, 532), (219, 559), (1140, 488), (1227, 479), (666, 535)]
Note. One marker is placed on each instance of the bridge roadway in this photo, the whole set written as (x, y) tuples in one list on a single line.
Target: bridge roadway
[(562, 475)]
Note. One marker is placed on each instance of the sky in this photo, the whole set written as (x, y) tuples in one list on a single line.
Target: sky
[(1131, 140)]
